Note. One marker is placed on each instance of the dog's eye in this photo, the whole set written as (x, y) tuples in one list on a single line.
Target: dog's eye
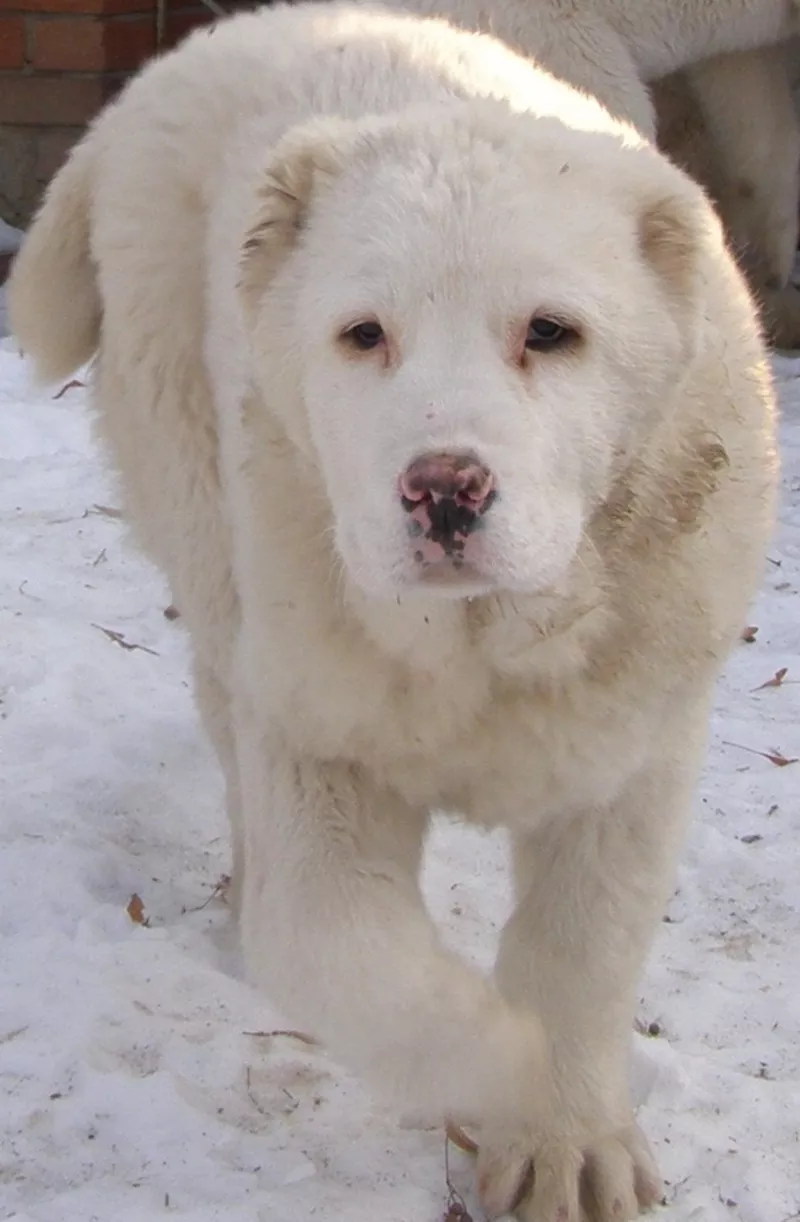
[(544, 333), (365, 335)]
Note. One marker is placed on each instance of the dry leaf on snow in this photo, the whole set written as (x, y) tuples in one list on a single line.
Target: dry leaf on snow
[(776, 680), (457, 1136), (775, 756), (135, 910)]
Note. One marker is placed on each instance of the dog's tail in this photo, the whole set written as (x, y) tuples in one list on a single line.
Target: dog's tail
[(53, 296)]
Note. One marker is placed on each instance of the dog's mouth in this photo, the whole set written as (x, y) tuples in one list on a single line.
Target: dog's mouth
[(448, 556)]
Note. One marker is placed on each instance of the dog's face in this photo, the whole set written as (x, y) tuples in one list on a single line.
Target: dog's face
[(483, 319)]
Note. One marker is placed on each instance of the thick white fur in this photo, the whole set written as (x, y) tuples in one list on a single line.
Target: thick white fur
[(247, 198), (726, 114)]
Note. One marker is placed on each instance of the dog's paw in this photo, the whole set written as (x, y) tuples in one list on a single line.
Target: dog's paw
[(611, 1181)]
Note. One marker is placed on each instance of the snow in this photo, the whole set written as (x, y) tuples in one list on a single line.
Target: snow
[(137, 1078)]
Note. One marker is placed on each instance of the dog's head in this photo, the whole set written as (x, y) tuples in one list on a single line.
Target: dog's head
[(470, 320)]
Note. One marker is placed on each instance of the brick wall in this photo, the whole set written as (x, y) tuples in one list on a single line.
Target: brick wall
[(60, 60)]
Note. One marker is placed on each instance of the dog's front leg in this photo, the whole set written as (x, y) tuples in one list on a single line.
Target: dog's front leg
[(592, 889), (335, 930)]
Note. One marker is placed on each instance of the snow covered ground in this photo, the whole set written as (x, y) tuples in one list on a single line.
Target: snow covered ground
[(138, 1080)]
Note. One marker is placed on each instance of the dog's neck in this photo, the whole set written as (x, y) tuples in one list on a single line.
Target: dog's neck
[(508, 629)]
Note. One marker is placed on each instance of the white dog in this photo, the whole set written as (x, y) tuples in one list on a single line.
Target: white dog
[(441, 405)]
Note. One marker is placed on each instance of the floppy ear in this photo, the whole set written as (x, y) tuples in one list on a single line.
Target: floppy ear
[(677, 231), (301, 163)]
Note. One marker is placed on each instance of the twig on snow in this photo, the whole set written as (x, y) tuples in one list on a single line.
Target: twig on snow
[(455, 1208), (119, 639)]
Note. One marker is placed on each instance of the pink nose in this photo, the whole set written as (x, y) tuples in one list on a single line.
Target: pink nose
[(450, 477), (445, 497)]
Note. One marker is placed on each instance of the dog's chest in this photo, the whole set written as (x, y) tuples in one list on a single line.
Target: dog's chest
[(501, 718), (502, 726), (517, 756)]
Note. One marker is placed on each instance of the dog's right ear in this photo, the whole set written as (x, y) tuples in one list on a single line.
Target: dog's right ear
[(303, 161)]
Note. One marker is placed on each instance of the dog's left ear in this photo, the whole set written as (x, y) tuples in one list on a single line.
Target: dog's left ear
[(678, 232), (303, 161)]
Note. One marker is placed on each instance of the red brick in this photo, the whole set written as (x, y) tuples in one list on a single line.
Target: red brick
[(113, 8), (129, 42), (60, 101), (68, 8), (12, 42), (230, 6), (89, 44), (71, 44)]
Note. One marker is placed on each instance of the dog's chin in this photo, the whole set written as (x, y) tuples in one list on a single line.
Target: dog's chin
[(443, 580), (448, 580)]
